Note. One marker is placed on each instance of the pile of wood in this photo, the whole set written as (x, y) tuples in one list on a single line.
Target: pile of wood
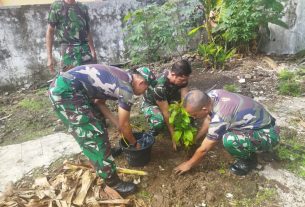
[(74, 185)]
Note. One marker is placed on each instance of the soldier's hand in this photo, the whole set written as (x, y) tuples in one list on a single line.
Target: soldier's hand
[(50, 65), (182, 168)]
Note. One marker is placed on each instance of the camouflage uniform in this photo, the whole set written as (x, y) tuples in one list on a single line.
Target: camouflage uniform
[(159, 90), (242, 123), (72, 28), (72, 93)]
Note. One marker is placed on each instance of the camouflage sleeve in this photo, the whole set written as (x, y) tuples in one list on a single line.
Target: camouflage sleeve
[(217, 128), (53, 17), (125, 100), (159, 93)]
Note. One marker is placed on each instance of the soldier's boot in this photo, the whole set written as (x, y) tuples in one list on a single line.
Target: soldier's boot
[(122, 187), (244, 166)]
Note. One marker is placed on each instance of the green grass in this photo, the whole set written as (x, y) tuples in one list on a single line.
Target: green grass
[(290, 88), (290, 82), (291, 152), (32, 105), (230, 87), (263, 196)]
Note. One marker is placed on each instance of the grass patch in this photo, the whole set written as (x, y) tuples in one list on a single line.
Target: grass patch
[(32, 104), (263, 196), (230, 87), (291, 153), (290, 82)]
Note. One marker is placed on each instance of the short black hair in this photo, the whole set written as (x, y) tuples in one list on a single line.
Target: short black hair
[(182, 68)]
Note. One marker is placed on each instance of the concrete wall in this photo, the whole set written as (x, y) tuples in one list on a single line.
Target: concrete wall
[(291, 40), (22, 39)]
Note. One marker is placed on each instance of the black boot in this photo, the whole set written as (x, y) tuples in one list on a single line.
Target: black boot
[(243, 166), (116, 151), (122, 187)]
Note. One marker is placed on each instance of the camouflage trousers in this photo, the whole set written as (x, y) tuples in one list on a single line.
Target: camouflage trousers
[(75, 55), (153, 116), (85, 123), (241, 144)]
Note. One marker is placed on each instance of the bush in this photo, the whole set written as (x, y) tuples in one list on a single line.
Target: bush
[(214, 54), (156, 31)]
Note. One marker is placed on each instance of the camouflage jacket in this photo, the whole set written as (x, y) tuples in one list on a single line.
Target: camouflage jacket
[(233, 111), (71, 22), (162, 90), (103, 82)]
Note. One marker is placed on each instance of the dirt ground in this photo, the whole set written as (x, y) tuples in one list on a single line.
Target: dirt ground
[(209, 184)]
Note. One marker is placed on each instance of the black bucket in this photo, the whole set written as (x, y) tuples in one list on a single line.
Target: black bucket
[(138, 157)]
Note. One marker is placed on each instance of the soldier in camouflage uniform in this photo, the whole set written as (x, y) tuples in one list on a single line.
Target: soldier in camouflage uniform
[(77, 95), (243, 124), (169, 87), (69, 20)]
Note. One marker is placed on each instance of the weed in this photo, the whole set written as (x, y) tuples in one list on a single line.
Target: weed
[(144, 194), (290, 88), (230, 87), (289, 83), (31, 104), (261, 197), (291, 153)]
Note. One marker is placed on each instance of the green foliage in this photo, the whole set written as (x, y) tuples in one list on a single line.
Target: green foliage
[(214, 54), (156, 31), (237, 22), (31, 104), (289, 83), (183, 131), (293, 156), (240, 20), (230, 87)]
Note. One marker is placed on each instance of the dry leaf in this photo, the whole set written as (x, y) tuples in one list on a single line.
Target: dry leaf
[(87, 179)]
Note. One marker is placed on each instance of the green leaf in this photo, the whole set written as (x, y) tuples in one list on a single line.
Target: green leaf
[(195, 30), (177, 136)]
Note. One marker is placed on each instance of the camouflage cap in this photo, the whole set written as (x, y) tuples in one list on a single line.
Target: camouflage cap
[(147, 75)]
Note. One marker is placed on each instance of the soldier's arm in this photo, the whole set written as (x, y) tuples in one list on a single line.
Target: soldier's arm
[(106, 112), (91, 46), (125, 128), (163, 105), (200, 153), (49, 45)]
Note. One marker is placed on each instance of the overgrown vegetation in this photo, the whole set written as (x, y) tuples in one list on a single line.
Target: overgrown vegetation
[(290, 82), (184, 133), (156, 31), (291, 152)]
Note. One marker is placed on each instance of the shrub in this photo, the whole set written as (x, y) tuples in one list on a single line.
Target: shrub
[(156, 31)]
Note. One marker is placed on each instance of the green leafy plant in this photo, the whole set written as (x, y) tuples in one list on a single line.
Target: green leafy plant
[(237, 22), (184, 133), (157, 31), (240, 20), (215, 55)]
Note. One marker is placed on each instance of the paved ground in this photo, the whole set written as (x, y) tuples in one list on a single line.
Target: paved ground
[(18, 159)]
